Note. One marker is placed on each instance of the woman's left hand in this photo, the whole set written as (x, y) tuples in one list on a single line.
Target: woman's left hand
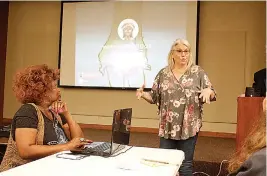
[(205, 95), (59, 107)]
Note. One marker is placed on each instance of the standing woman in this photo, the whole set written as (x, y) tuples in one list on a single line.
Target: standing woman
[(179, 91)]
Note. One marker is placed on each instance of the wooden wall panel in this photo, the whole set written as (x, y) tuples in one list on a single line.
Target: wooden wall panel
[(4, 5)]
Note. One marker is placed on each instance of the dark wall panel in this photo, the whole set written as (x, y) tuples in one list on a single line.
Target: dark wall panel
[(3, 44)]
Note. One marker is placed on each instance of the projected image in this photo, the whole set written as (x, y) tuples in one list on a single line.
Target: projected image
[(124, 61), (120, 44), (128, 29)]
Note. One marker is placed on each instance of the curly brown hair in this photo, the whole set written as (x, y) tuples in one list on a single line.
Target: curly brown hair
[(255, 141), (31, 84)]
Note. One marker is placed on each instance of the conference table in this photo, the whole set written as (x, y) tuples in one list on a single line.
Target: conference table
[(131, 161)]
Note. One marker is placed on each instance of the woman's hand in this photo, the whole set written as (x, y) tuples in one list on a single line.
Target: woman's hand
[(78, 144), (59, 107), (140, 91), (205, 95)]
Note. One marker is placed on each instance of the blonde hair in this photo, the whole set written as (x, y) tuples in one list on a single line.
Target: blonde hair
[(255, 141), (170, 55)]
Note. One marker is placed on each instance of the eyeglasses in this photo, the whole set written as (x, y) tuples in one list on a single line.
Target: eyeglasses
[(180, 52)]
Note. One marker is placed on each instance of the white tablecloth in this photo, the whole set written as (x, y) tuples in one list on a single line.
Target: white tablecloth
[(130, 163)]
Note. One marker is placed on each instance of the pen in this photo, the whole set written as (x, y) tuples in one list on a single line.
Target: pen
[(124, 168), (156, 161)]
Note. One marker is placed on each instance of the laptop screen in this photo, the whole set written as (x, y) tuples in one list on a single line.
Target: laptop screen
[(121, 126)]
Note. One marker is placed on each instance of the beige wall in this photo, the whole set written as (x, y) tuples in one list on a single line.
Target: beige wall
[(232, 48)]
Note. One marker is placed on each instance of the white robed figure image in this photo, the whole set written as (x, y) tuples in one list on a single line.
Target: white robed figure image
[(123, 59)]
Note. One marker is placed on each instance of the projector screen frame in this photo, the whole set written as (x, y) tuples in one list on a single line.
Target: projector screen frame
[(113, 88)]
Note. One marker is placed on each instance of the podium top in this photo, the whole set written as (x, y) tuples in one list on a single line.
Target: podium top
[(258, 99), (252, 97)]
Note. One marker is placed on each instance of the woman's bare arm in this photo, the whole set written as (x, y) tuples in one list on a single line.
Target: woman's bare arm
[(27, 148), (66, 129), (72, 129), (146, 96)]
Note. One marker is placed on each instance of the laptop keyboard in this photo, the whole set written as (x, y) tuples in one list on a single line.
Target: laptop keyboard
[(102, 147), (98, 148)]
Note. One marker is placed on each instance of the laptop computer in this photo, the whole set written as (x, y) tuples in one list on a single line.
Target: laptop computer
[(119, 138)]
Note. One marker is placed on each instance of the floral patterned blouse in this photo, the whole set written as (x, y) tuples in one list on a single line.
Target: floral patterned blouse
[(180, 109)]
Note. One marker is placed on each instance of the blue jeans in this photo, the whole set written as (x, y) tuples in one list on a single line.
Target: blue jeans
[(188, 147)]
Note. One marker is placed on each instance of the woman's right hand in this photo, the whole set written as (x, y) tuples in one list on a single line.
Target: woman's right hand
[(140, 91), (77, 143)]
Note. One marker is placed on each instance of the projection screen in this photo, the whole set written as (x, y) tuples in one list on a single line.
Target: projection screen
[(120, 44)]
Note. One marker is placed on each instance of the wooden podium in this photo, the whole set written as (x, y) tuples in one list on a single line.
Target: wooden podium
[(249, 110)]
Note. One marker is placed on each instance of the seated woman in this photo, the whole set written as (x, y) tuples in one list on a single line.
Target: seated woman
[(251, 159), (43, 125)]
